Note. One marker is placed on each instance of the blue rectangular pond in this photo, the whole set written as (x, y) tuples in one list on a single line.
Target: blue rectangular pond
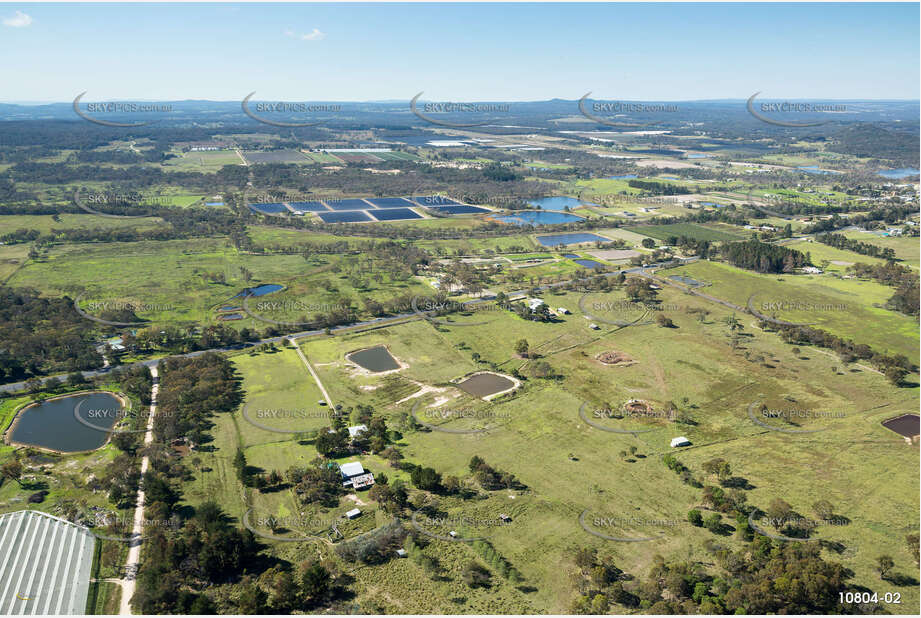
[(570, 239)]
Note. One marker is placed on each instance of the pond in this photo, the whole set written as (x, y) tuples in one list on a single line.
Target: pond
[(376, 359), (557, 203), (622, 177), (814, 169), (539, 217), (485, 384), (589, 263), (902, 172), (686, 280), (260, 290), (570, 239), (906, 425), (53, 424)]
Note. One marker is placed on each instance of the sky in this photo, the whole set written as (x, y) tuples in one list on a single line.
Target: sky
[(458, 52)]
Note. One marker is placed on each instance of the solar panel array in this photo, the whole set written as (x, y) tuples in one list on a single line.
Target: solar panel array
[(355, 210), (45, 564)]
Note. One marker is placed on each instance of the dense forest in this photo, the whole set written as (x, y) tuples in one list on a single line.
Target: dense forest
[(763, 257)]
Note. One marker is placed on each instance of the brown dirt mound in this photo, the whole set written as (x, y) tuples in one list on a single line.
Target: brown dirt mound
[(614, 357)]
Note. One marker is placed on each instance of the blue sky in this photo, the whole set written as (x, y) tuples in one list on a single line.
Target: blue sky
[(513, 52)]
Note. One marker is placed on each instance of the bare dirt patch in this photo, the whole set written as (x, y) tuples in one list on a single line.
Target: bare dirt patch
[(615, 358)]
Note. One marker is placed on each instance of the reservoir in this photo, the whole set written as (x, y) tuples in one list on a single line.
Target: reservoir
[(539, 217), (53, 425), (374, 359)]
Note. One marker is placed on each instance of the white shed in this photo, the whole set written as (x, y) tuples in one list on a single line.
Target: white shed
[(353, 513), (680, 441)]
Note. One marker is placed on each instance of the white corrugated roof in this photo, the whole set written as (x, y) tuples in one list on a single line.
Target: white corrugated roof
[(45, 564), (351, 468)]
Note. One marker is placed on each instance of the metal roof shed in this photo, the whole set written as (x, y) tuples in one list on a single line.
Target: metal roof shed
[(45, 564)]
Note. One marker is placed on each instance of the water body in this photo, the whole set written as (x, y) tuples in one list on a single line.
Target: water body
[(697, 155), (374, 359), (52, 424), (902, 172), (686, 280), (589, 263), (539, 217), (570, 239), (260, 290), (814, 169), (571, 255), (485, 384), (557, 203), (622, 177), (906, 425)]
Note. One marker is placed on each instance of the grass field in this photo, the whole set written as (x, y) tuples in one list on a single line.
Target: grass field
[(691, 230), (851, 311), (906, 247)]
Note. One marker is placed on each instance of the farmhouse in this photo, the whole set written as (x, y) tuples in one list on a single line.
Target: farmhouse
[(534, 303), (354, 475), (356, 430)]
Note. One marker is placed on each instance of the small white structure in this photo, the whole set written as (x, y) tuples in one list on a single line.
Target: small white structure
[(401, 553), (453, 533), (812, 270), (356, 430), (563, 310), (680, 441), (594, 326), (353, 513), (534, 303)]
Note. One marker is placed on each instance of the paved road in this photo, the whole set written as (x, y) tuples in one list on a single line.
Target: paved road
[(642, 270)]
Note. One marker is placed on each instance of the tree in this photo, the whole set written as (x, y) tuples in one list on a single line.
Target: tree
[(648, 243), (695, 518), (664, 322), (284, 593), (253, 600), (12, 470), (315, 584), (476, 575), (823, 509), (884, 565), (521, 348), (425, 478)]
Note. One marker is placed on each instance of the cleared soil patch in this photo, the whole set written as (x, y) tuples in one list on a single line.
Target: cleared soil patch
[(906, 425), (614, 254), (613, 357), (375, 360), (486, 384)]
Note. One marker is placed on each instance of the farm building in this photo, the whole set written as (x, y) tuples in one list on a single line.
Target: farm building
[(354, 475), (353, 513), (356, 431), (45, 563), (680, 441)]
